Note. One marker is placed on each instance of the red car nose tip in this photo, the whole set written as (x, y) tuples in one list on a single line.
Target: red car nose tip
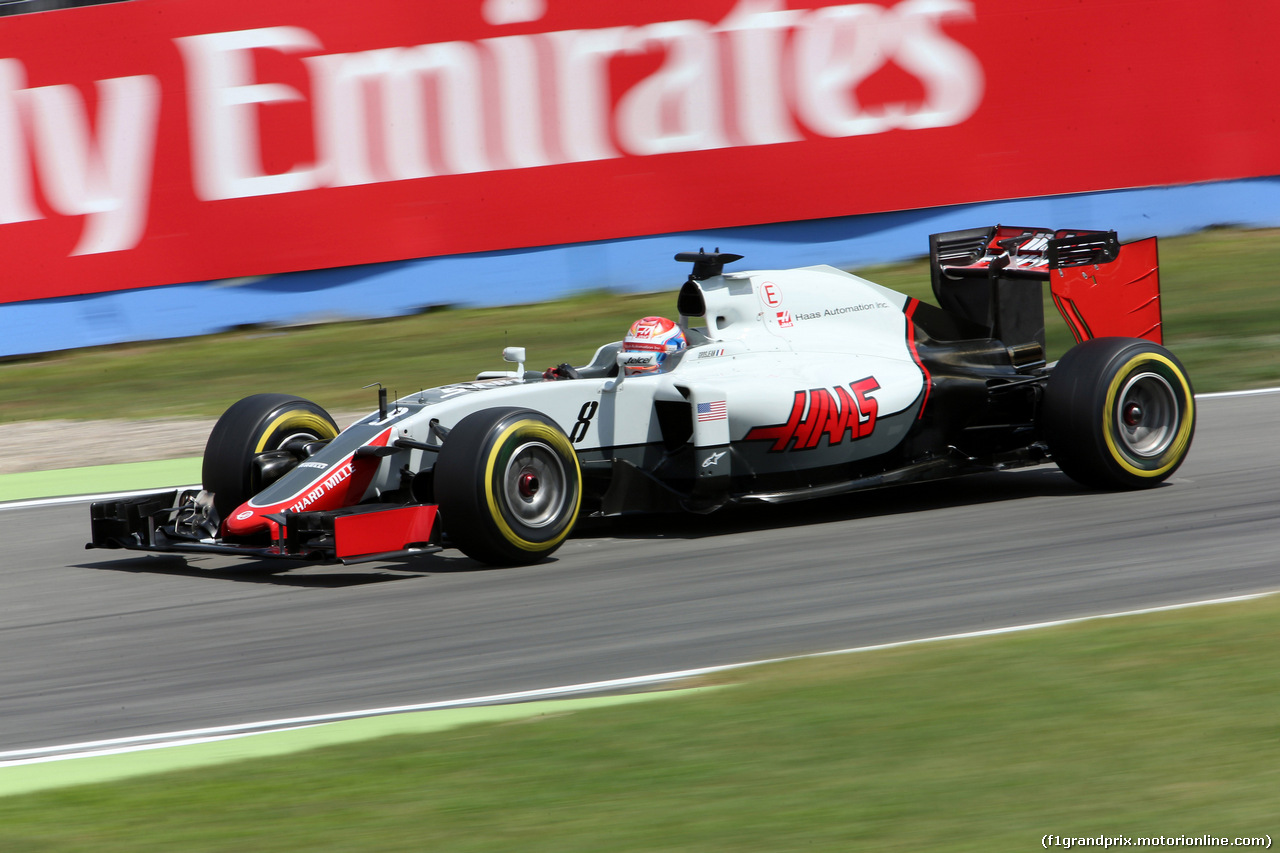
[(245, 521)]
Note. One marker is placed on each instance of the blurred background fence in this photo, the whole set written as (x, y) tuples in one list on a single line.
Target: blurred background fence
[(176, 167)]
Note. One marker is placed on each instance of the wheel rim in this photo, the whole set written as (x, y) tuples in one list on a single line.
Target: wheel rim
[(1146, 418), (534, 484), (301, 438)]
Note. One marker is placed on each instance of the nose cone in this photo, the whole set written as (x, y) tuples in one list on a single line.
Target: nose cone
[(310, 487), (247, 520)]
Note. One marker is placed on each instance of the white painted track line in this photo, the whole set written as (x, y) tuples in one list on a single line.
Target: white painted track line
[(1256, 392)]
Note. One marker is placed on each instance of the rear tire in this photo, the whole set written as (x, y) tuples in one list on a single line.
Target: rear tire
[(508, 485), (1119, 413), (255, 425)]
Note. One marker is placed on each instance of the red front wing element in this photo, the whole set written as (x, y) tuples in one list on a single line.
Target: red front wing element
[(353, 534), (390, 530)]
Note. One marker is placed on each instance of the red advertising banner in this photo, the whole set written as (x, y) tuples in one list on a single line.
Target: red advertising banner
[(160, 141)]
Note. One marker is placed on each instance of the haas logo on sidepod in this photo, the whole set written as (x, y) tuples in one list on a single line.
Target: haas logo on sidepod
[(818, 412)]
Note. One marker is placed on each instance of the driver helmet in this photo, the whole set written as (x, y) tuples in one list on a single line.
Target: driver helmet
[(653, 334)]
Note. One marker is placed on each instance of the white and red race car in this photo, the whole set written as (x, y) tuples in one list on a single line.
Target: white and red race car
[(795, 384)]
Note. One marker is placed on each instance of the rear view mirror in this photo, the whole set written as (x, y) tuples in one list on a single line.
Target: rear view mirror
[(509, 354)]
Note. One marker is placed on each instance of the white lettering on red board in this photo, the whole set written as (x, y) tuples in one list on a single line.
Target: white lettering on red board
[(104, 177), (763, 75), (224, 99)]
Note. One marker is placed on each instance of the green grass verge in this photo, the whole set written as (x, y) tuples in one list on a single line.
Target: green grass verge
[(330, 364), (123, 477), (89, 769), (1221, 313), (1163, 724)]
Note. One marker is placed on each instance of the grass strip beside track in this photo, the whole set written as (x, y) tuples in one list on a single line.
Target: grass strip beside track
[(44, 774), (125, 477), (1159, 724)]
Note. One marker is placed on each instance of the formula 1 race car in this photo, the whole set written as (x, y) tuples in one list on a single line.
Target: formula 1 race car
[(795, 384)]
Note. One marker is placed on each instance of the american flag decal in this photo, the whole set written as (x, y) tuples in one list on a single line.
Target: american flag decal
[(712, 411)]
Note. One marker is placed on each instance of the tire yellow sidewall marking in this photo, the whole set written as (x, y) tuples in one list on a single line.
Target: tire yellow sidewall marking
[(553, 439), (1187, 405), (309, 421)]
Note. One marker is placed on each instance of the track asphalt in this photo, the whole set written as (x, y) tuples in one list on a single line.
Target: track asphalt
[(28, 775), (41, 769)]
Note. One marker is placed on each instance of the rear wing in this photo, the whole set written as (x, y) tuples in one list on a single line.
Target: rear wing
[(1100, 287)]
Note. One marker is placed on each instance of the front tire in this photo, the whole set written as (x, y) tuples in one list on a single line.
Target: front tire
[(508, 485), (1119, 413), (255, 425)]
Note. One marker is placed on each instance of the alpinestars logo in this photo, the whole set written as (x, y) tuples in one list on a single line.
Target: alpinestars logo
[(818, 412)]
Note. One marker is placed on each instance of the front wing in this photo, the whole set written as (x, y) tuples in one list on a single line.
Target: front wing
[(158, 521)]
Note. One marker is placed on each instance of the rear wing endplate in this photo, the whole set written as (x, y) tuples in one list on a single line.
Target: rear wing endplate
[(1100, 286)]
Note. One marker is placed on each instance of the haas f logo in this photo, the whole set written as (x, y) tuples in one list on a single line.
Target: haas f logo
[(818, 412)]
